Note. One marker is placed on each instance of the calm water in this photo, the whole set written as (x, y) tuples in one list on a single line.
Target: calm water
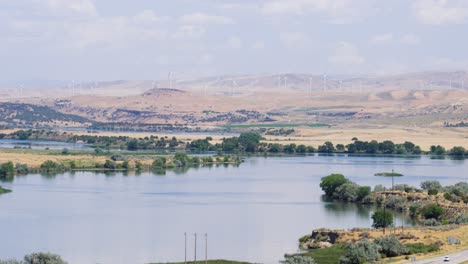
[(255, 212), (41, 144)]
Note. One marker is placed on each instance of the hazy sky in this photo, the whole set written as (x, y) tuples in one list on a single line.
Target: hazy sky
[(146, 39)]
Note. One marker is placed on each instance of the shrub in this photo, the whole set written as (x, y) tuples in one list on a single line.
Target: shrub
[(117, 157), (362, 192), (21, 168), (181, 159), (159, 163), (414, 207), (138, 165), (379, 188), (390, 246), (395, 202), (433, 211), (417, 248), (347, 192), (431, 185), (297, 259), (330, 183), (43, 258), (7, 169), (362, 251), (110, 165), (50, 166), (382, 218), (431, 222), (432, 192)]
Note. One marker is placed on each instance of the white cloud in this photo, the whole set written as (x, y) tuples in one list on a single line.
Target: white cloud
[(202, 19), (345, 54), (81, 7), (336, 11), (409, 39), (294, 40), (389, 38), (439, 12), (382, 39), (149, 17), (234, 43), (258, 45)]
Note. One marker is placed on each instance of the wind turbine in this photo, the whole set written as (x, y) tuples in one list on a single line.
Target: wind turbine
[(310, 85), (169, 77), (324, 82)]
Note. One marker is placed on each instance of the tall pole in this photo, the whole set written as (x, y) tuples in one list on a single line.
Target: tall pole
[(185, 249), (195, 259), (206, 248)]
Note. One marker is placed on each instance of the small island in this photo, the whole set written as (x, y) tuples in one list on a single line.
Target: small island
[(389, 174)]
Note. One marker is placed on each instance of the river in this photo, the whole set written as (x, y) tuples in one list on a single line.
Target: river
[(254, 212)]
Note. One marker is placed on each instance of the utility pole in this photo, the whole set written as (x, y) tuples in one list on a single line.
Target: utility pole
[(392, 180), (195, 259), (206, 248)]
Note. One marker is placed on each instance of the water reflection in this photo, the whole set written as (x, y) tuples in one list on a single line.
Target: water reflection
[(253, 212)]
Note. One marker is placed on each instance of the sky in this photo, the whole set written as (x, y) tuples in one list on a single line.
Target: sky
[(148, 39)]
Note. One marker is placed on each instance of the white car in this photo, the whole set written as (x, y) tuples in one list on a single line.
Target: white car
[(446, 259)]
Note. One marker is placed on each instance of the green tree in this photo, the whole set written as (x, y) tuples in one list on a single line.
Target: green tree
[(132, 144), (110, 165), (431, 185), (43, 258), (381, 219), (327, 147), (330, 183), (457, 151), (7, 170), (432, 211)]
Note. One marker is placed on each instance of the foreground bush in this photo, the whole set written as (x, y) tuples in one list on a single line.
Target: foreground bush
[(417, 248), (362, 251), (390, 246), (296, 259), (37, 258)]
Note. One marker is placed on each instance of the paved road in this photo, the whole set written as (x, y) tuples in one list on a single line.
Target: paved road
[(458, 257)]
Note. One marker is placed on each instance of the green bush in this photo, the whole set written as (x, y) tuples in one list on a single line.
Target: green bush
[(382, 218), (297, 259), (21, 168), (433, 211), (417, 248), (431, 185), (432, 192), (330, 183), (43, 258), (362, 251), (50, 166), (110, 165), (390, 246), (159, 163), (7, 170)]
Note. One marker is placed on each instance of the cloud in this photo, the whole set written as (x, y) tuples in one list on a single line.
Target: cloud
[(258, 45), (81, 7), (148, 16), (409, 39), (382, 39), (389, 38), (234, 43), (335, 11), (203, 19), (440, 12), (345, 54), (294, 40)]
